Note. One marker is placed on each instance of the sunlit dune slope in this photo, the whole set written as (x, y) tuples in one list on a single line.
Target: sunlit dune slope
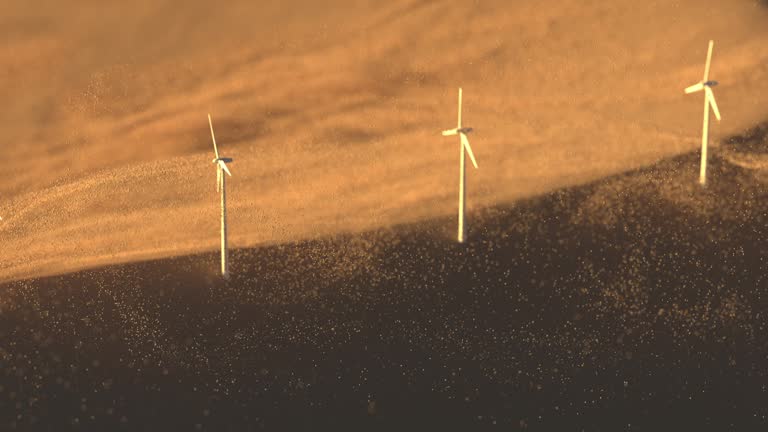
[(332, 113)]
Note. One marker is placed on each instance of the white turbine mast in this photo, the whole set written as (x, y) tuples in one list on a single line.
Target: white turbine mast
[(709, 99), (221, 186), (464, 148)]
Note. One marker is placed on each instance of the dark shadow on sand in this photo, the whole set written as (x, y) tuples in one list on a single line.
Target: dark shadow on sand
[(634, 303)]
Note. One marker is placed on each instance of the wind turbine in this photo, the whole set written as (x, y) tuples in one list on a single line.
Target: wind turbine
[(221, 183), (463, 147), (709, 99)]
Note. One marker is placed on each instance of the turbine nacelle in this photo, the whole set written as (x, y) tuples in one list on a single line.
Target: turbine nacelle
[(464, 130), (221, 162), (706, 85), (221, 166), (700, 86)]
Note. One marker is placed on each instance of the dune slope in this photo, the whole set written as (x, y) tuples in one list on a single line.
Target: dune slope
[(632, 303), (332, 113)]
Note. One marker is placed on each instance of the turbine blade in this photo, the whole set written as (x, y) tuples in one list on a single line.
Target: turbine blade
[(709, 60), (694, 88), (459, 126), (449, 132), (224, 167), (215, 149), (465, 142), (711, 97), (218, 179)]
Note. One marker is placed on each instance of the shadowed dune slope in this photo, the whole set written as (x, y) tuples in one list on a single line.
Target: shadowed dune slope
[(332, 112), (636, 302)]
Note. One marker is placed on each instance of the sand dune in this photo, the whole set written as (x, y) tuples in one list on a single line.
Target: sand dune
[(635, 302), (332, 113)]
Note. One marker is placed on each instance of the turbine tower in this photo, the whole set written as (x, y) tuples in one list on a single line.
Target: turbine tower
[(709, 99), (221, 185), (463, 147)]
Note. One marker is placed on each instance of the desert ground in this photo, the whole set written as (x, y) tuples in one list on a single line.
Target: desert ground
[(601, 287), (333, 112), (634, 303)]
